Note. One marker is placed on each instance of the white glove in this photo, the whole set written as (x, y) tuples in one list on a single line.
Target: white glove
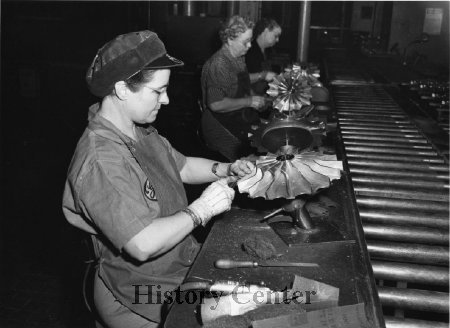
[(257, 102), (215, 199)]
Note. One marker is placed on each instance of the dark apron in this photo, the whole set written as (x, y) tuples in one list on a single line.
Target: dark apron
[(239, 122), (167, 271)]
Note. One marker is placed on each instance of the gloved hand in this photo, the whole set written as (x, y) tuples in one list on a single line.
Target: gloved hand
[(215, 199), (257, 102), (241, 168), (269, 76)]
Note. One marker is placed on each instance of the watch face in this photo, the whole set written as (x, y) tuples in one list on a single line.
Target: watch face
[(214, 168)]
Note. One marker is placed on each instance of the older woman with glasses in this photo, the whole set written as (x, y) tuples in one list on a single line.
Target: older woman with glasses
[(125, 185), (226, 88)]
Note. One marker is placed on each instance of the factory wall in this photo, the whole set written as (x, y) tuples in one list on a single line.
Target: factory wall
[(407, 25)]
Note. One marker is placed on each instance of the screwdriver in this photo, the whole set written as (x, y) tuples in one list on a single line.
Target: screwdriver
[(230, 264)]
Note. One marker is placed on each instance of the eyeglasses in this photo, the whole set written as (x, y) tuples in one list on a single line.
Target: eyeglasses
[(159, 93)]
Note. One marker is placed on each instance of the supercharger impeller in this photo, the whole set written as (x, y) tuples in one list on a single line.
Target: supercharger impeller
[(290, 175)]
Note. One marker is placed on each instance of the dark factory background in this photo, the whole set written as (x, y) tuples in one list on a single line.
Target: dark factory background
[(45, 50)]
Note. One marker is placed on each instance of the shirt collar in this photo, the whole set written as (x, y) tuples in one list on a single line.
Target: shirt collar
[(106, 129)]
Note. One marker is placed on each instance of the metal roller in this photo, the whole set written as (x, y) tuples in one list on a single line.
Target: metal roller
[(388, 150), (404, 158), (395, 165), (363, 143), (398, 217), (414, 299), (431, 177), (373, 116), (408, 234), (399, 193), (395, 204), (394, 322), (375, 125), (398, 181), (411, 273), (375, 128), (373, 120), (412, 253), (384, 138), (383, 134)]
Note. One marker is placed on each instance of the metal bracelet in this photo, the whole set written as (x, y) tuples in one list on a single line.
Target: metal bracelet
[(197, 221)]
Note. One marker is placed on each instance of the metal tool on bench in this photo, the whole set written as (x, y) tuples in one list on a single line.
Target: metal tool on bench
[(231, 264)]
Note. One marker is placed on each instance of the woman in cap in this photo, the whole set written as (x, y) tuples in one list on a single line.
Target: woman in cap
[(125, 185), (226, 86), (266, 34)]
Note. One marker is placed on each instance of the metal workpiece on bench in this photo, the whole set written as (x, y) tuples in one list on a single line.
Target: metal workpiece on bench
[(396, 322)]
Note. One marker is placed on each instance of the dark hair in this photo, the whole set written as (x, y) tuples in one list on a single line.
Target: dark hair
[(234, 26), (136, 81), (264, 23)]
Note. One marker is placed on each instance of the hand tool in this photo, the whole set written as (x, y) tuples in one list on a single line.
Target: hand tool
[(230, 264)]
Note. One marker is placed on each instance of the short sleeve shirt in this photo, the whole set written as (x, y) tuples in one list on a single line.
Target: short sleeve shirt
[(220, 76)]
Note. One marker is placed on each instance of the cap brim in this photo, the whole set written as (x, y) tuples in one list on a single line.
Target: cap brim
[(165, 61)]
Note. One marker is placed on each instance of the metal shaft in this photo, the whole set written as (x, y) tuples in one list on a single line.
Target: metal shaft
[(405, 217), (399, 193), (385, 203), (303, 31), (398, 181), (413, 253), (414, 299), (395, 165), (431, 177), (394, 322), (411, 234), (412, 273)]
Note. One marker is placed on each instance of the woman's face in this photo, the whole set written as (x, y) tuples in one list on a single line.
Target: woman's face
[(144, 104), (240, 45), (272, 37)]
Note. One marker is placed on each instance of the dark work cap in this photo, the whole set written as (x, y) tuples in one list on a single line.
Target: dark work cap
[(123, 57)]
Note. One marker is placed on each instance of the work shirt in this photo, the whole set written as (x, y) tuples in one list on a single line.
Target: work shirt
[(115, 188), (225, 76), (255, 60)]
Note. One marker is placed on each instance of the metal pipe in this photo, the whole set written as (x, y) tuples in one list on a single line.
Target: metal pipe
[(403, 252), (400, 159), (303, 32), (188, 8), (386, 203), (394, 116), (385, 144), (384, 138), (374, 128), (373, 120), (380, 133), (232, 7), (399, 182), (414, 299), (420, 235), (394, 322), (388, 150), (389, 173), (411, 273), (396, 165), (399, 193), (417, 218), (376, 125)]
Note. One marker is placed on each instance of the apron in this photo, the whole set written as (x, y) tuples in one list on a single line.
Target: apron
[(165, 273)]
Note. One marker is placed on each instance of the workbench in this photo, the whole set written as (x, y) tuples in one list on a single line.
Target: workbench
[(343, 263)]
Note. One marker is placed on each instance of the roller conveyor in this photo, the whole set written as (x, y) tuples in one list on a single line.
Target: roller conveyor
[(401, 183)]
